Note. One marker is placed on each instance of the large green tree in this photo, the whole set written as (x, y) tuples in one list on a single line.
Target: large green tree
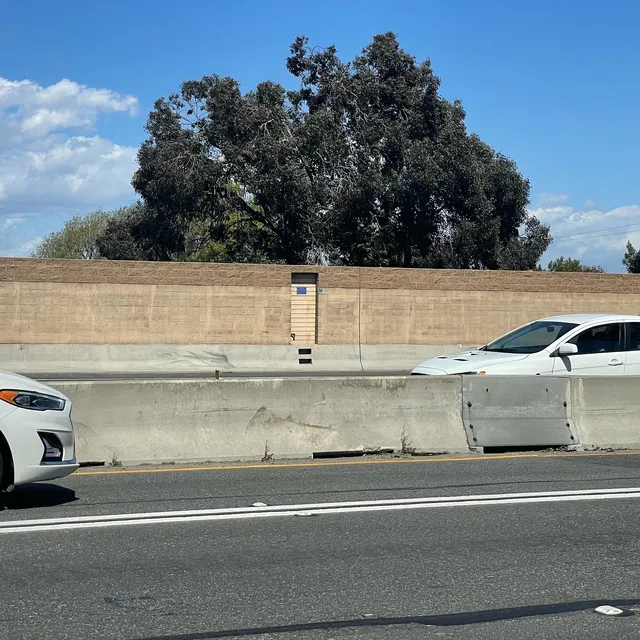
[(365, 163), (410, 186)]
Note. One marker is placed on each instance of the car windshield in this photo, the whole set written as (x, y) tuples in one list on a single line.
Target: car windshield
[(531, 338)]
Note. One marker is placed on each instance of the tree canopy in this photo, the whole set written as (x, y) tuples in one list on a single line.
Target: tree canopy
[(78, 238), (365, 163)]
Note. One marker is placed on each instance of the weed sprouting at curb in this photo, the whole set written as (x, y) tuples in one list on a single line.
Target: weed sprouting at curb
[(268, 454), (407, 447), (115, 461)]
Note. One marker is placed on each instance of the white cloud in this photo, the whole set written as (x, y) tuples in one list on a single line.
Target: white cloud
[(550, 199), (35, 111), (75, 171), (11, 223), (53, 162), (596, 237)]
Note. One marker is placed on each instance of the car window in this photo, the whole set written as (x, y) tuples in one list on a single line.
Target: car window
[(633, 336), (604, 338), (531, 338)]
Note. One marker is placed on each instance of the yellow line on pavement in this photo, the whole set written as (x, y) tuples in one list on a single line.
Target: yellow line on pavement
[(338, 463)]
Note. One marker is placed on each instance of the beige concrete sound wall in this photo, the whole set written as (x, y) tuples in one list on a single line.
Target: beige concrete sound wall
[(106, 302)]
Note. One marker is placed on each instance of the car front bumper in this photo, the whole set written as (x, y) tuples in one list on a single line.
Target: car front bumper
[(42, 443)]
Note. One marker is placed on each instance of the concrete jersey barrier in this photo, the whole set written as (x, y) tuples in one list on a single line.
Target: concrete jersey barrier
[(190, 421), (251, 419), (606, 411)]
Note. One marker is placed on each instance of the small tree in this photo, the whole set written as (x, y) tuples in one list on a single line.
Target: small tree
[(77, 239), (572, 264), (631, 259)]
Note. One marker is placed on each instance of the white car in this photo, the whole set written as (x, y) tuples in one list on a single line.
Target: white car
[(36, 433), (575, 345)]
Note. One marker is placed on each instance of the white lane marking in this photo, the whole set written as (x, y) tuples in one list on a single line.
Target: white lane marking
[(324, 505), (241, 513)]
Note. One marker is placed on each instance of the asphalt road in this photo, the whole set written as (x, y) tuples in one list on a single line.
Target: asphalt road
[(504, 567), (80, 376)]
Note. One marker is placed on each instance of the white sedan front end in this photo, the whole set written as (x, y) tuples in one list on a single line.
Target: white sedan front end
[(36, 432), (471, 362)]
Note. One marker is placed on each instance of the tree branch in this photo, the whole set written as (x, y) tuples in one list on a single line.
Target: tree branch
[(253, 214)]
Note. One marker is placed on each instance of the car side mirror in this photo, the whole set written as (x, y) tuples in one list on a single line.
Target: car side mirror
[(567, 349)]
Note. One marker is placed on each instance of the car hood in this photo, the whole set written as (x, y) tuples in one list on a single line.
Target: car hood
[(465, 361), (17, 382)]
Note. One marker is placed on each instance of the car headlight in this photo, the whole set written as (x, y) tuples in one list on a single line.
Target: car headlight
[(473, 373), (32, 400)]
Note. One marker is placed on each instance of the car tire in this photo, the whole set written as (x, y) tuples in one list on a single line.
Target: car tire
[(6, 466), (3, 481)]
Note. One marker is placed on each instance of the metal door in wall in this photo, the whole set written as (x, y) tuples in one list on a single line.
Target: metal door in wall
[(303, 308)]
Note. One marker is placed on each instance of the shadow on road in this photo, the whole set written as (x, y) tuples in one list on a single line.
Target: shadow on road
[(37, 495), (449, 620)]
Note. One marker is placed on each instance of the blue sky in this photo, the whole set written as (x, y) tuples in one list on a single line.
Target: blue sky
[(554, 85)]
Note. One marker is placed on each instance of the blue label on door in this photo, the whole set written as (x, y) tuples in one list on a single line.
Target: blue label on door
[(301, 291)]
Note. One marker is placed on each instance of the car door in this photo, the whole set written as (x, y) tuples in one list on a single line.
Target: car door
[(600, 352), (632, 364)]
